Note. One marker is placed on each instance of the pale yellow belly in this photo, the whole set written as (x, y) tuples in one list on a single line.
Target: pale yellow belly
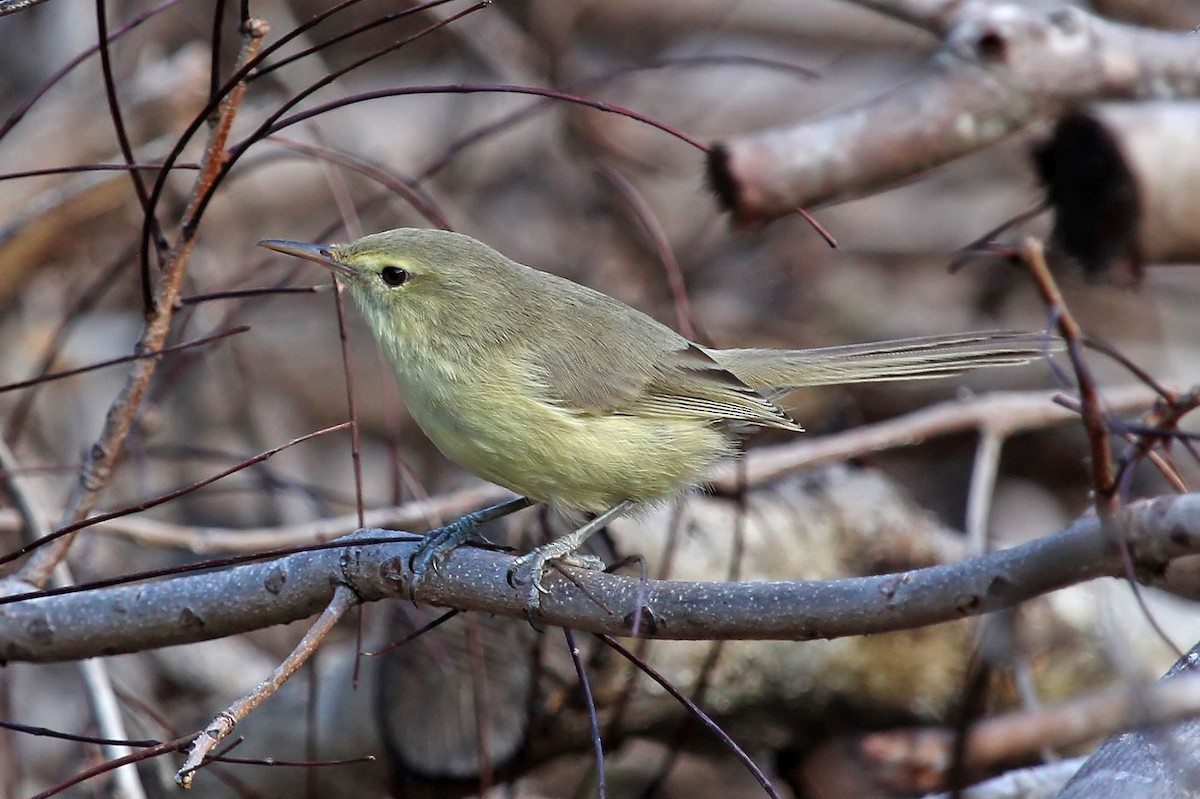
[(584, 462)]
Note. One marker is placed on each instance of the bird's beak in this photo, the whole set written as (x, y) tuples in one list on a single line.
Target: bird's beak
[(317, 253)]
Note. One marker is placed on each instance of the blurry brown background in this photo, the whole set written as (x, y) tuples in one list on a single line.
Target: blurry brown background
[(547, 190)]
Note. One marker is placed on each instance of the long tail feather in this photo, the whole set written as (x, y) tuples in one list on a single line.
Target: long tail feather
[(900, 359)]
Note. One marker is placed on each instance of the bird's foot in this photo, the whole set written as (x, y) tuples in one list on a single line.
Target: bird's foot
[(438, 544), (529, 569)]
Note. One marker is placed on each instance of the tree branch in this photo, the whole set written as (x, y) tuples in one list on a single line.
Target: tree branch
[(1001, 67), (1004, 413), (195, 608)]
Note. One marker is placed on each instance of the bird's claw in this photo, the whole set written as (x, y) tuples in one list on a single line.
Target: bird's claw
[(438, 544), (529, 569)]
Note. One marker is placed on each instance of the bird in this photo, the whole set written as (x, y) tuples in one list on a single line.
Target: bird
[(569, 397)]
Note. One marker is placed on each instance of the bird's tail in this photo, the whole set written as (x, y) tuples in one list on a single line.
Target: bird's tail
[(917, 358)]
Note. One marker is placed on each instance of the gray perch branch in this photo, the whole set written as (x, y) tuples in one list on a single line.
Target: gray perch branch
[(200, 607)]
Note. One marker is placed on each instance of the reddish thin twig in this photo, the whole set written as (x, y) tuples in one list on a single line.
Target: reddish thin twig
[(341, 37), (471, 88), (405, 188), (177, 745), (118, 120), (417, 633), (987, 243), (1105, 483), (103, 455), (817, 226), (510, 119), (68, 170), (351, 401), (235, 83), (272, 123), (662, 245), (1103, 474)]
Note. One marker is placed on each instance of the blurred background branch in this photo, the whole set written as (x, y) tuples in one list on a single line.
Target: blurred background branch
[(967, 117)]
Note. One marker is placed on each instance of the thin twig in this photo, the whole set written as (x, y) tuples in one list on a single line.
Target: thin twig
[(166, 747), (351, 402), (91, 367), (224, 722), (817, 226), (77, 168), (273, 123), (983, 486), (239, 294), (489, 129), (103, 455), (1105, 485), (341, 37), (118, 120), (30, 101), (703, 717), (202, 540), (662, 245), (469, 88), (87, 299), (403, 187), (1006, 412), (235, 83), (42, 542), (590, 703), (1103, 473)]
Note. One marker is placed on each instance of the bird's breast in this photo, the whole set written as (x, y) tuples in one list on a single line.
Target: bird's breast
[(491, 420)]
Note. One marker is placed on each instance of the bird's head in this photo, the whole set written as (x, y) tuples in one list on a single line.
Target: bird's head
[(410, 282)]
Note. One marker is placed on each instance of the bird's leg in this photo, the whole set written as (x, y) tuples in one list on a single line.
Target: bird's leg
[(438, 543), (528, 569)]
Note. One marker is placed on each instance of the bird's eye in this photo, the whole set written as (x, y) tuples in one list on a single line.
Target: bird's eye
[(393, 276)]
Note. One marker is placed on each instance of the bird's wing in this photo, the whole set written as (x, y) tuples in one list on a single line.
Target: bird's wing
[(613, 359), (693, 385), (661, 379)]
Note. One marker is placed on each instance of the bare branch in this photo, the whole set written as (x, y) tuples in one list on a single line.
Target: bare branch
[(1002, 66), (935, 16), (13, 6), (157, 533), (1010, 736), (1002, 413), (1151, 762), (195, 608), (343, 599)]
